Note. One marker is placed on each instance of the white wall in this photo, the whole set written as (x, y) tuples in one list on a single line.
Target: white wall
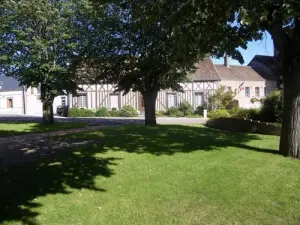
[(245, 102), (17, 102)]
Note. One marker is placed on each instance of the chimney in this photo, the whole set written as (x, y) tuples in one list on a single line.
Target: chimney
[(226, 61)]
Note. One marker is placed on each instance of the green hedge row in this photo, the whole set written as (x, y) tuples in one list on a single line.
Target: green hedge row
[(126, 111), (244, 126)]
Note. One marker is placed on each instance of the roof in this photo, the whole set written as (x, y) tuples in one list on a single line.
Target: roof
[(205, 71), (238, 73), (9, 84), (269, 71)]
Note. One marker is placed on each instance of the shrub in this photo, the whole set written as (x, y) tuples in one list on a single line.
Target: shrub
[(80, 112), (272, 108), (253, 114), (186, 109), (199, 110), (160, 113), (115, 113), (222, 99), (179, 114), (102, 112), (214, 114), (172, 111), (128, 111)]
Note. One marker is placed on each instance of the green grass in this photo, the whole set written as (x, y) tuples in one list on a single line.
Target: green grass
[(157, 175), (9, 129)]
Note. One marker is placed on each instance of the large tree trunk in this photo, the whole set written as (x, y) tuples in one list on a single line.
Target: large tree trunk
[(48, 117), (47, 100), (290, 134), (150, 111)]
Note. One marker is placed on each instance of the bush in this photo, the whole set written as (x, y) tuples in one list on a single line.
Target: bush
[(199, 110), (102, 112), (253, 114), (186, 109), (222, 99), (128, 111), (218, 113), (178, 114), (272, 108), (115, 113), (79, 112), (172, 111), (160, 113)]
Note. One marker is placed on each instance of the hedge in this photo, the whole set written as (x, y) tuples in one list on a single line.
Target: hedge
[(244, 126)]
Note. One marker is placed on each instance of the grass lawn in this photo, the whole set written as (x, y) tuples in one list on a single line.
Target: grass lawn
[(158, 175), (9, 129)]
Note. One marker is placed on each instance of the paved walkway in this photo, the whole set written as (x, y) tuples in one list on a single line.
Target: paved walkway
[(23, 148)]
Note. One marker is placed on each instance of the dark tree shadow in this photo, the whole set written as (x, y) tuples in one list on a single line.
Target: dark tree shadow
[(170, 139), (21, 184)]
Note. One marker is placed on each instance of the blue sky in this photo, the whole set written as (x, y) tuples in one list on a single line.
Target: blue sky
[(262, 47)]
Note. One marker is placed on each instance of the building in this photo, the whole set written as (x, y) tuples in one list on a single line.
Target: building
[(17, 99), (248, 85)]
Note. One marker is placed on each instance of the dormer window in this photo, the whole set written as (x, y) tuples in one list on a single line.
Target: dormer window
[(1, 84)]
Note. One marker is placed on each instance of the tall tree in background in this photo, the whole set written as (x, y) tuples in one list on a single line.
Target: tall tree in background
[(281, 18), (39, 41), (157, 43)]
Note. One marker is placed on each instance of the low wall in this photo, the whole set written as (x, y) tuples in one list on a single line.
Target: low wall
[(244, 125)]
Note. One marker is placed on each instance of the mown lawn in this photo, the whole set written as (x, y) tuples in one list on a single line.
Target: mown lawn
[(9, 129), (158, 175)]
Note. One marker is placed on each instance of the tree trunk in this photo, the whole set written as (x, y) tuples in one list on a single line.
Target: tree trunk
[(290, 133), (48, 117), (150, 109), (47, 100)]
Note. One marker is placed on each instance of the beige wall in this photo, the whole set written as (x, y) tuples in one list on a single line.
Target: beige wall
[(245, 102)]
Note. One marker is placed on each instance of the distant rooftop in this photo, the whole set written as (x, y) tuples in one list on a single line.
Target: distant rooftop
[(9, 84)]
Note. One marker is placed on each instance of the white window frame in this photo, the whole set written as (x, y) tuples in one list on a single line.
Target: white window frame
[(257, 94), (63, 99), (249, 93), (197, 95), (175, 100), (81, 101)]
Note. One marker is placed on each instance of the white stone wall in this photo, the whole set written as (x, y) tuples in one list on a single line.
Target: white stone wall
[(17, 98), (244, 101)]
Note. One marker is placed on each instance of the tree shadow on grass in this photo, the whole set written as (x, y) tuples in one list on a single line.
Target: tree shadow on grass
[(170, 139), (22, 184)]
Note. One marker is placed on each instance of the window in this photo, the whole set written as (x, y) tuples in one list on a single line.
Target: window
[(198, 99), (63, 101), (228, 89), (172, 100), (82, 101), (247, 91), (265, 91), (114, 101), (10, 103), (257, 92)]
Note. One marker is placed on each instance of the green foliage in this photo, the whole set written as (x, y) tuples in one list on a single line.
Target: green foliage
[(102, 112), (272, 108), (160, 113), (186, 109), (214, 114), (128, 111), (253, 114), (222, 99), (114, 113), (80, 112), (199, 110), (172, 111)]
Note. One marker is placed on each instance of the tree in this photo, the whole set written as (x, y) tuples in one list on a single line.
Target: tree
[(157, 43), (282, 20), (39, 41), (223, 99)]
